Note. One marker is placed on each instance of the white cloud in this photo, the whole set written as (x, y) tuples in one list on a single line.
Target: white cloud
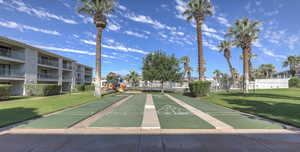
[(118, 47), (136, 34), (19, 5), (223, 21), (121, 7), (1, 1), (207, 29), (14, 25), (65, 50), (292, 41), (113, 27), (212, 35), (272, 54), (181, 6)]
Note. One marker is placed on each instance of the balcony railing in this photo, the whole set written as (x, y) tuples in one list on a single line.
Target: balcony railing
[(11, 73), (88, 72), (67, 78), (48, 62), (67, 66), (47, 76), (11, 54)]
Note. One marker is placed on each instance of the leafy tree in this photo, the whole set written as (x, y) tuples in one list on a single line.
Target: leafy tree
[(198, 10), (245, 32), (187, 68), (292, 62), (133, 77), (160, 67), (99, 9), (267, 70), (112, 78)]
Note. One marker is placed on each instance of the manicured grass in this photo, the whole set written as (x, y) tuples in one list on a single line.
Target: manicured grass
[(236, 119), (173, 116), (68, 118), (278, 104), (24, 109), (128, 114)]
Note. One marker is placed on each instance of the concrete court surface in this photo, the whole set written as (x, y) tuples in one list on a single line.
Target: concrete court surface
[(196, 142)]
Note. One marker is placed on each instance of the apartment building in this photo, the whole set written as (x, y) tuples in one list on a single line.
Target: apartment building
[(286, 74), (22, 64)]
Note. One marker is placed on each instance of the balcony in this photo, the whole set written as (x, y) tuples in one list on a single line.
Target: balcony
[(67, 78), (88, 72), (11, 73), (67, 66), (47, 77), (48, 62), (12, 54)]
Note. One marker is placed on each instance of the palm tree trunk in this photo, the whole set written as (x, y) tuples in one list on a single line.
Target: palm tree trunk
[(246, 70), (200, 52), (232, 82), (98, 62)]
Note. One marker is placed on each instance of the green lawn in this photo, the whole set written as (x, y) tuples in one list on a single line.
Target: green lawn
[(128, 114), (278, 104), (173, 116), (24, 109)]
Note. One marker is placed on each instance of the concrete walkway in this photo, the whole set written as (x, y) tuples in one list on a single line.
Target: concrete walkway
[(87, 122), (213, 121), (150, 119)]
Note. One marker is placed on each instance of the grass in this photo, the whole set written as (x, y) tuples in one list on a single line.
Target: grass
[(68, 118), (128, 114), (278, 104), (24, 109), (173, 116)]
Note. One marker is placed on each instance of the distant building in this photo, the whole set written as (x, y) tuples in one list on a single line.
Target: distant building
[(286, 74), (22, 64)]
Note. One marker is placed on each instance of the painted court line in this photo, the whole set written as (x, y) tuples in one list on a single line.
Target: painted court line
[(150, 119), (213, 121), (86, 123)]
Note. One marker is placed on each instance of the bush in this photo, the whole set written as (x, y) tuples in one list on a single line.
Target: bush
[(89, 88), (294, 83), (80, 87), (200, 88), (42, 89), (5, 91)]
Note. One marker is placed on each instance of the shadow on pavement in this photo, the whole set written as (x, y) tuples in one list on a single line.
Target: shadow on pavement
[(150, 143)]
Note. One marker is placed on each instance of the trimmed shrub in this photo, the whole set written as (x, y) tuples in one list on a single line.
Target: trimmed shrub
[(294, 83), (199, 88), (89, 88), (80, 87), (5, 91), (42, 89)]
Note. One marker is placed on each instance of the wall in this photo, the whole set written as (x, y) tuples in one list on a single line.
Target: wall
[(269, 83)]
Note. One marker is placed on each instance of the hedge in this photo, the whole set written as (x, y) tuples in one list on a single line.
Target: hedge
[(199, 88), (5, 91), (42, 89), (294, 83), (89, 88), (80, 87)]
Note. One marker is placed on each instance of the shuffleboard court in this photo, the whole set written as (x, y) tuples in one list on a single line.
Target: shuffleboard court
[(173, 116), (128, 114), (234, 118), (68, 118)]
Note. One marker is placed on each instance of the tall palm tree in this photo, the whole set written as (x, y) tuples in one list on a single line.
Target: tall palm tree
[(225, 47), (99, 9), (292, 62), (197, 10), (187, 68), (218, 75), (245, 32), (251, 69)]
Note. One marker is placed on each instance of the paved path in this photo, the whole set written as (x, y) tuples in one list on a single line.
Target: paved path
[(87, 122), (223, 142), (213, 121), (150, 119)]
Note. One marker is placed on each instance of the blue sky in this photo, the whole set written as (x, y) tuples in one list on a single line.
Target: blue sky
[(141, 26)]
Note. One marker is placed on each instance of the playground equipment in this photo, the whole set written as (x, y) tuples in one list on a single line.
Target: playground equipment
[(117, 85)]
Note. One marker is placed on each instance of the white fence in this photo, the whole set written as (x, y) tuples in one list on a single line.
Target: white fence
[(269, 83)]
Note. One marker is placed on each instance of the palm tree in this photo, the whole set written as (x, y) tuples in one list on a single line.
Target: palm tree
[(225, 47), (245, 33), (197, 10), (251, 69), (99, 9), (187, 68), (292, 62), (133, 77), (218, 75)]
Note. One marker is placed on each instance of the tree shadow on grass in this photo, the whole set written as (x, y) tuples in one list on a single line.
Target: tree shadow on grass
[(14, 115), (287, 112), (262, 95)]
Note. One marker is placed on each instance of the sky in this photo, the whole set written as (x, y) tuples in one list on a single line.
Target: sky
[(139, 27)]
